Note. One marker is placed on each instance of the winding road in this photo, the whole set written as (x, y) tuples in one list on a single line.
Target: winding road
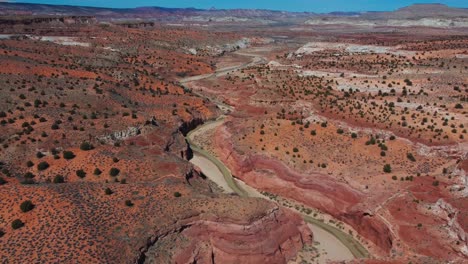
[(332, 243)]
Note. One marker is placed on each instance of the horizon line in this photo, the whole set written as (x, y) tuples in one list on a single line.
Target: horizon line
[(221, 9)]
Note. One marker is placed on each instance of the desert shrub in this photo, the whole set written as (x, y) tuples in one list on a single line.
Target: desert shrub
[(353, 135), (371, 141), (340, 131), (313, 132), (81, 173), (28, 181), (411, 157), (68, 155), (108, 191), (59, 179), (86, 146), (128, 203), (43, 166), (435, 183), (2, 233), (29, 164), (114, 172), (387, 168), (177, 194), (26, 206), (97, 172), (29, 175), (16, 224), (295, 150), (2, 181), (39, 155)]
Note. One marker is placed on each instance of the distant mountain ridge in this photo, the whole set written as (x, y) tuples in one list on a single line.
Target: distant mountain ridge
[(418, 11), (142, 12), (413, 12)]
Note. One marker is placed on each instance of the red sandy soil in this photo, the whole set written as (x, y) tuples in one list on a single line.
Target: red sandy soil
[(121, 96), (292, 136)]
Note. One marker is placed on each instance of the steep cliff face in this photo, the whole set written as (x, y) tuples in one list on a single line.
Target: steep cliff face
[(370, 227), (268, 235), (317, 191)]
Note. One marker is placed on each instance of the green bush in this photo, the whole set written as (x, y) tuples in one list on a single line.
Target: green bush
[(43, 166), (68, 155), (29, 175), (86, 146), (26, 206), (97, 172), (387, 168), (59, 179), (16, 224), (108, 191), (114, 172), (411, 157), (81, 173), (28, 181)]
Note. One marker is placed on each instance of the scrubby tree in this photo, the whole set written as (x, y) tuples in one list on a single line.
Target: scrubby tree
[(108, 191), (387, 168), (411, 157), (68, 155), (43, 166), (26, 206), (86, 146), (16, 224), (59, 179), (114, 172), (97, 172), (81, 173)]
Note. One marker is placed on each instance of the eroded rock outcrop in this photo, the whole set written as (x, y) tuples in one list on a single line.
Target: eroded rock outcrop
[(269, 234)]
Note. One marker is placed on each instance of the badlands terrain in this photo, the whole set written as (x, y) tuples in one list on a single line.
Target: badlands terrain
[(157, 135)]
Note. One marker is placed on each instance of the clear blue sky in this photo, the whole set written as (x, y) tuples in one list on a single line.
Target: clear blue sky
[(288, 5)]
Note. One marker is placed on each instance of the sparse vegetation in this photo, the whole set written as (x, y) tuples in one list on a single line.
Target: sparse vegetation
[(114, 172), (59, 179), (81, 173), (387, 168), (26, 206), (68, 155), (17, 224)]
